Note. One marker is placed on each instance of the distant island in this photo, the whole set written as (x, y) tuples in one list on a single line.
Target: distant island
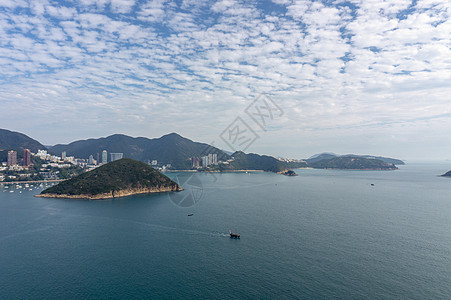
[(119, 178), (328, 156), (447, 174), (353, 163), (329, 160)]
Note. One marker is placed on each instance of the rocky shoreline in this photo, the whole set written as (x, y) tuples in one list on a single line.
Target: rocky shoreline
[(113, 194)]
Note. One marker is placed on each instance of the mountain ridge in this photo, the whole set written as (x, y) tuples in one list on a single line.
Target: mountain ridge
[(171, 148)]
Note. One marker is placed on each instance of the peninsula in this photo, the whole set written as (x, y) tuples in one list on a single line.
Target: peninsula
[(119, 178)]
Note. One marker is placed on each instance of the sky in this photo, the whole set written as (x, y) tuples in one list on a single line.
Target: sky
[(298, 77)]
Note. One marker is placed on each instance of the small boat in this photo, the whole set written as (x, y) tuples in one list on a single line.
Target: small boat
[(190, 215), (234, 235)]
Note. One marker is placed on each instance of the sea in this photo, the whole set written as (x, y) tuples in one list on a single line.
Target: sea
[(325, 234)]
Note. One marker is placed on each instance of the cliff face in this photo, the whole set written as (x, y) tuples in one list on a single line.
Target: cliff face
[(114, 194)]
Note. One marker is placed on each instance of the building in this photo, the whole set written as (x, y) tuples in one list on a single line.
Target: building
[(215, 159), (204, 161), (12, 158), (154, 162), (104, 157), (195, 162), (26, 157), (116, 156), (91, 160), (63, 155)]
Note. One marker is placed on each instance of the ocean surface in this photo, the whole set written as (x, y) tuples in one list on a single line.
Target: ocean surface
[(325, 234)]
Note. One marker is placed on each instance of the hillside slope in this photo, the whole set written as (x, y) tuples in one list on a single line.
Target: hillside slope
[(119, 178)]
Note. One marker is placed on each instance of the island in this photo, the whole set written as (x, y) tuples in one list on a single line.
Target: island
[(353, 163), (447, 174), (120, 178), (288, 172)]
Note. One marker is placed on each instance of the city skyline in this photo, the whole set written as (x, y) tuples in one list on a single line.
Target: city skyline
[(345, 76)]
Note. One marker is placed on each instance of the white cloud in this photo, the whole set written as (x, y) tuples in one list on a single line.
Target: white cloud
[(331, 67)]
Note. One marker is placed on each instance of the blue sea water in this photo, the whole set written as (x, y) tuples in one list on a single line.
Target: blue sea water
[(324, 234)]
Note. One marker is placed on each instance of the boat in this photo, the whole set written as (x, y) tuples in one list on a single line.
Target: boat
[(234, 235), (189, 215)]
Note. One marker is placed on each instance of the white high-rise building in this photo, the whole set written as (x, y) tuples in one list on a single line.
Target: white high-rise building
[(104, 157), (204, 161)]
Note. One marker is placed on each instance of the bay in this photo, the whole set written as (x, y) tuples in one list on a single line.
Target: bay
[(323, 234)]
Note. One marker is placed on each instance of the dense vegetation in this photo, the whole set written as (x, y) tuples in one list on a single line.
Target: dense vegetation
[(353, 163), (115, 176), (328, 156), (251, 161)]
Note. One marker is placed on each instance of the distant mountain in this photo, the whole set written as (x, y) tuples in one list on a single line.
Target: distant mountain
[(169, 149), (119, 178), (353, 163), (447, 174), (251, 161), (320, 156), (11, 140), (327, 156)]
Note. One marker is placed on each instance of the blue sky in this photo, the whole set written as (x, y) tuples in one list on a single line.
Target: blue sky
[(369, 77)]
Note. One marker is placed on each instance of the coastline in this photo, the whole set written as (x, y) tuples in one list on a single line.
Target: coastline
[(31, 181), (214, 171), (113, 194)]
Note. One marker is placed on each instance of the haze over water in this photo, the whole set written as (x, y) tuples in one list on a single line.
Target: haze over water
[(323, 234)]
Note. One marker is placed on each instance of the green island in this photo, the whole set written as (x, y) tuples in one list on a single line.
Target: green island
[(119, 178), (353, 163)]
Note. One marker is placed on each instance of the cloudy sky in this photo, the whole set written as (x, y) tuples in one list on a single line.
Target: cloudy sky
[(368, 76)]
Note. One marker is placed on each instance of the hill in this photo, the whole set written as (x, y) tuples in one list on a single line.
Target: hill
[(11, 140), (119, 178), (320, 156), (447, 174), (353, 163), (169, 149), (251, 161), (384, 159), (326, 156)]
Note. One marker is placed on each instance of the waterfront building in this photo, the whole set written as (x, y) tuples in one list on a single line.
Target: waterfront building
[(26, 157), (12, 158), (204, 161), (104, 157), (195, 162)]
